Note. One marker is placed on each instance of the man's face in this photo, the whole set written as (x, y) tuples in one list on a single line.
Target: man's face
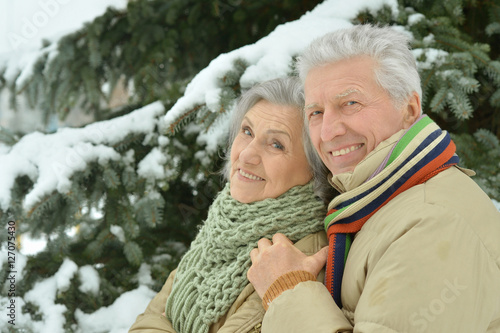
[(348, 113)]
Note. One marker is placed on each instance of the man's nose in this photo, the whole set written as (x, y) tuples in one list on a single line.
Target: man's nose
[(332, 126)]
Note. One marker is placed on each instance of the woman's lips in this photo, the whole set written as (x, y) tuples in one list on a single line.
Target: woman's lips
[(249, 175)]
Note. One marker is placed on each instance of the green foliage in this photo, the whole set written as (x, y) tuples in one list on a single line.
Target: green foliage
[(153, 48), (474, 150)]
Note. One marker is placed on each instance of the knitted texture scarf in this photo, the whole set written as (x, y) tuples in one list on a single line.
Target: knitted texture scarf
[(421, 153), (212, 273)]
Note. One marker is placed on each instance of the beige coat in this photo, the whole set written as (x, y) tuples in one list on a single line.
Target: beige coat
[(428, 261), (245, 315)]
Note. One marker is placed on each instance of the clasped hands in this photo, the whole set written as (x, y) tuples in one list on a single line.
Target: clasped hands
[(270, 260)]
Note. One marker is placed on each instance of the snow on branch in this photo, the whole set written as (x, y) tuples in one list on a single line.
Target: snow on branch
[(271, 56), (50, 160)]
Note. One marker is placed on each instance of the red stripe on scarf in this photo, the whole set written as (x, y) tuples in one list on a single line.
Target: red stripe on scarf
[(329, 261), (424, 174)]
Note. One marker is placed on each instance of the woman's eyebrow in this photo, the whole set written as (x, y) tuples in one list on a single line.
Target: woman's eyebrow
[(276, 131), (248, 121)]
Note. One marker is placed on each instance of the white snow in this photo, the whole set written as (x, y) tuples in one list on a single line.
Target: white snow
[(44, 294), (433, 57), (49, 160), (89, 278), (118, 232), (24, 24), (144, 275), (497, 204), (30, 245), (415, 18), (153, 165), (118, 317)]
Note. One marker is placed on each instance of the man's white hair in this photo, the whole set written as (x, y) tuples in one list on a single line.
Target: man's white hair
[(396, 71)]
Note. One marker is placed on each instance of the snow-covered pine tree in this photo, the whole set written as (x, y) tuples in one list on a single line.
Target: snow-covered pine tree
[(119, 200)]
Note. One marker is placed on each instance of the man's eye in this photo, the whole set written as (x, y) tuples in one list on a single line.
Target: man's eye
[(315, 113), (351, 103)]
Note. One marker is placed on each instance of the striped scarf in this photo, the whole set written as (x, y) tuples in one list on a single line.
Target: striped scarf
[(421, 153)]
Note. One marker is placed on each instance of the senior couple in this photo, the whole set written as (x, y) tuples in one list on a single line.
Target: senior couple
[(409, 243)]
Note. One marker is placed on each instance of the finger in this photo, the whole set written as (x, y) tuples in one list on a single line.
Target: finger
[(263, 244), (278, 238), (317, 261), (253, 255), (250, 274), (321, 255)]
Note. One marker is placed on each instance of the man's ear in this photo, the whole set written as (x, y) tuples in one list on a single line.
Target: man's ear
[(412, 111)]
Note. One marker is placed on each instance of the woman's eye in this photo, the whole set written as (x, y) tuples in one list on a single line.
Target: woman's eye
[(278, 145), (246, 131)]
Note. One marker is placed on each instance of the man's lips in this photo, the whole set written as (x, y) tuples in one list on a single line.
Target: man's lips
[(345, 151)]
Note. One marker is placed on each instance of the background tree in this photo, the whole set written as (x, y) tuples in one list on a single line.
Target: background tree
[(134, 186)]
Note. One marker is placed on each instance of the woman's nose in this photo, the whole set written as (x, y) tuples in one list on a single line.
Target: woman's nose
[(251, 154)]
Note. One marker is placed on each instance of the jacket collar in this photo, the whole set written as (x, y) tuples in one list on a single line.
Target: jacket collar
[(347, 181)]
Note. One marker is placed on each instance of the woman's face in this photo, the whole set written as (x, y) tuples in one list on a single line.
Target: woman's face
[(267, 155)]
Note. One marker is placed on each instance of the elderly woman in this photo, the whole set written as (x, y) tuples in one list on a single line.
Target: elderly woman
[(270, 190)]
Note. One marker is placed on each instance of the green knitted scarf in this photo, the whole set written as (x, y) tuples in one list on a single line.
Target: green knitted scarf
[(212, 273)]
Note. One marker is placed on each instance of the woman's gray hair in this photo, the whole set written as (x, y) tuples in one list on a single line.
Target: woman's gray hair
[(396, 72), (283, 91)]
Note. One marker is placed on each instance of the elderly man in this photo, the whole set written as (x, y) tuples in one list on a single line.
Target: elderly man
[(414, 243)]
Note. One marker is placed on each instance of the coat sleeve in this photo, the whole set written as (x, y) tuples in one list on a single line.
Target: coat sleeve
[(436, 276), (308, 307), (153, 320)]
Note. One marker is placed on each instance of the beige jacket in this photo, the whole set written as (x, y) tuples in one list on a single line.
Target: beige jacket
[(245, 315), (428, 261)]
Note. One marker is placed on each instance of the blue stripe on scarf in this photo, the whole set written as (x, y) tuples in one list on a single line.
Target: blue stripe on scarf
[(400, 181), (339, 264), (431, 137)]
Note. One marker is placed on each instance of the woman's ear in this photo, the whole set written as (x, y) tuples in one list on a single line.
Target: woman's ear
[(413, 110)]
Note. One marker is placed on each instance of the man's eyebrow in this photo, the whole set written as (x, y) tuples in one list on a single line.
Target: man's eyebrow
[(310, 106), (343, 94), (347, 92)]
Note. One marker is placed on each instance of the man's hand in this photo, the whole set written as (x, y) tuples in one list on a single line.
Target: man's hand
[(270, 260)]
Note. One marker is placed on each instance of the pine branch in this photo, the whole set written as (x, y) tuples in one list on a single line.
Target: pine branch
[(185, 118), (133, 253)]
